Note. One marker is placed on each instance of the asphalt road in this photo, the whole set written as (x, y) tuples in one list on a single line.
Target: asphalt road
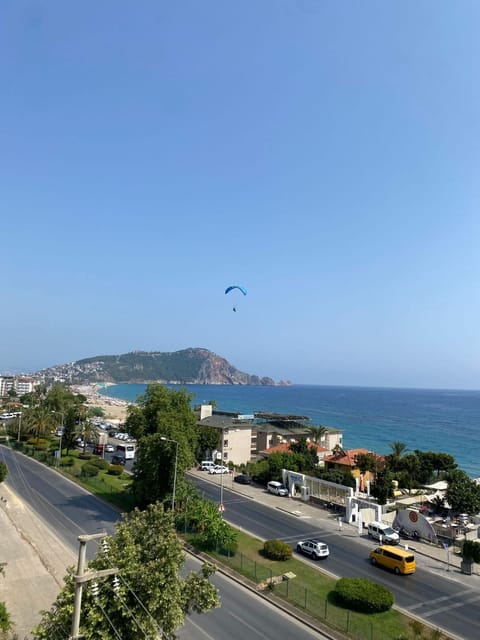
[(71, 511), (443, 602)]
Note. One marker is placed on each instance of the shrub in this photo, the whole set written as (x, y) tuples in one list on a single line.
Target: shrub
[(85, 456), (89, 470), (277, 550), (100, 463), (66, 462), (362, 595), (115, 470), (471, 550), (5, 620)]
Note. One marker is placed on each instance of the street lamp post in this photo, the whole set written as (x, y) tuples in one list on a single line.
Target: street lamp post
[(175, 471), (19, 426), (61, 435)]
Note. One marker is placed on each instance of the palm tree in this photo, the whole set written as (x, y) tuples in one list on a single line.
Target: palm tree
[(317, 433), (398, 449), (39, 421)]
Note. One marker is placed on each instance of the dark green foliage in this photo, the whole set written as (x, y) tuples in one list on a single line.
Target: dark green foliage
[(471, 550), (208, 440), (5, 621), (359, 594), (89, 470), (462, 493), (169, 424), (85, 455), (277, 550), (67, 461), (3, 471), (100, 463), (95, 412), (115, 470), (337, 476), (383, 487)]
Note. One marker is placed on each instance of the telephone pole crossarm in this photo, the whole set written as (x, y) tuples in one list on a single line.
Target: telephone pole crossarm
[(94, 575)]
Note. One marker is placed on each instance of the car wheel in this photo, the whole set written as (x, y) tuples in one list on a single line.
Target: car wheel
[(374, 561), (299, 548), (397, 571)]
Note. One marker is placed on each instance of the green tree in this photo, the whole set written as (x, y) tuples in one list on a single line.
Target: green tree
[(164, 415), (337, 476), (462, 493), (211, 530), (3, 471), (208, 440), (393, 459), (317, 433), (306, 455), (39, 421), (382, 489), (153, 599)]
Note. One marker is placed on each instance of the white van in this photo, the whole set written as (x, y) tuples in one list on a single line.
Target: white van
[(207, 465), (377, 529), (277, 488)]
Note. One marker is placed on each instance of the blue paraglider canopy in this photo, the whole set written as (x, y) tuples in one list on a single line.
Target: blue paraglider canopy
[(236, 286)]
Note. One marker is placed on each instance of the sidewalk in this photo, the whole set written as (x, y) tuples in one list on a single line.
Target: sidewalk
[(35, 563), (326, 520)]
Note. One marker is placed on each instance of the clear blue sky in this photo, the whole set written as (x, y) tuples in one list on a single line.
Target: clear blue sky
[(323, 154)]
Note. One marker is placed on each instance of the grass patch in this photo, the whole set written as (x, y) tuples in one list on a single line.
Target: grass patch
[(311, 591)]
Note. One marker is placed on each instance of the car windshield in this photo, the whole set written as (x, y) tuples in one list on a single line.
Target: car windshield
[(389, 531)]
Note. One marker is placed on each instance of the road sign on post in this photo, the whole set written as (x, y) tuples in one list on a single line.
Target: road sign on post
[(221, 507)]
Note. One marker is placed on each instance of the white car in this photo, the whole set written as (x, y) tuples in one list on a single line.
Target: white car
[(314, 548), (218, 468), (109, 448)]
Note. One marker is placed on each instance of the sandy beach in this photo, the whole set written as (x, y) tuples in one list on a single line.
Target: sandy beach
[(115, 410)]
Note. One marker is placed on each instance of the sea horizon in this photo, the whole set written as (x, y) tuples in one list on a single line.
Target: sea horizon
[(370, 417)]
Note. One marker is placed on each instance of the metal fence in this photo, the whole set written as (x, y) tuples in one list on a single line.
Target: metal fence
[(355, 625)]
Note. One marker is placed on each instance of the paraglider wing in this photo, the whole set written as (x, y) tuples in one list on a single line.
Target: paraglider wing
[(235, 286)]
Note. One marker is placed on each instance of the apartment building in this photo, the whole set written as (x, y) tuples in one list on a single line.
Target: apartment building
[(245, 437)]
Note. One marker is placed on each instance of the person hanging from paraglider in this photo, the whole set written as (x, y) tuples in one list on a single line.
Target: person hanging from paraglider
[(235, 286)]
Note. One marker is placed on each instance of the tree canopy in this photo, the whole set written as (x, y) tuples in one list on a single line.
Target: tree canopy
[(167, 427), (152, 598), (463, 494)]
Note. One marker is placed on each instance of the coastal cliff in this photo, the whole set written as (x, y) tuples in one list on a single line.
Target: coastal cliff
[(188, 366)]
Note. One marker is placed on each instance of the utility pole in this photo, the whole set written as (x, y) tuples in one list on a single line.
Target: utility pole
[(82, 577), (19, 426)]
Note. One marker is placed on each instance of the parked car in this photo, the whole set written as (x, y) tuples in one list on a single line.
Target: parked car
[(314, 548), (277, 488), (109, 448), (218, 468), (243, 478)]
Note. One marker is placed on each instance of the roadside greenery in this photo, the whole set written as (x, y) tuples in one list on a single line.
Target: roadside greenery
[(360, 594), (150, 599), (165, 427)]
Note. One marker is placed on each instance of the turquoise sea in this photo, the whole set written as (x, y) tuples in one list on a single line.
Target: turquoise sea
[(437, 420)]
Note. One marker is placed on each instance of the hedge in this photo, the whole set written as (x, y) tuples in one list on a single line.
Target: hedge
[(89, 470), (359, 594), (115, 470), (277, 550), (100, 463)]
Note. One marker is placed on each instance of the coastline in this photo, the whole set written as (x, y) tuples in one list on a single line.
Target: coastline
[(114, 409)]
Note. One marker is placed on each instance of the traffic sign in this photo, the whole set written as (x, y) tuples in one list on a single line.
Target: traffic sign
[(221, 507)]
